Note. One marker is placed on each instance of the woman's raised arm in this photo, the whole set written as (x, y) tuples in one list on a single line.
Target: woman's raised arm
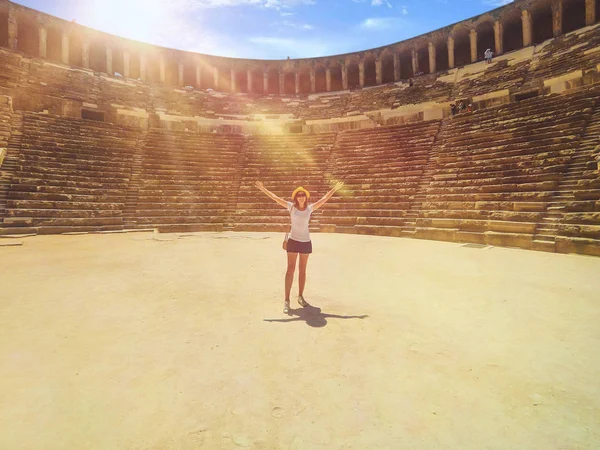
[(327, 196), (269, 194)]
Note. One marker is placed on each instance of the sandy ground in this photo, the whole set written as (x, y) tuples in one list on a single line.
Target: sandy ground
[(157, 341)]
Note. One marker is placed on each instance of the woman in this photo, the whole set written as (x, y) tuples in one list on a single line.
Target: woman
[(299, 239)]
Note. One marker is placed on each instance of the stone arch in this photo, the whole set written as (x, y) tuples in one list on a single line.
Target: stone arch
[(304, 79), (272, 81), (353, 73), (320, 78), (118, 65), (486, 38), (387, 66), (4, 29), (541, 23), (97, 56), (189, 71), (224, 79), (336, 76), (462, 45), (370, 70), (76, 48), (512, 35), (257, 81), (241, 80), (289, 82), (134, 65), (153, 69), (573, 15), (28, 39), (422, 53), (171, 69), (406, 66), (54, 43), (441, 55)]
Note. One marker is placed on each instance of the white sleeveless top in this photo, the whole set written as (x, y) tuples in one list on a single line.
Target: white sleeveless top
[(300, 221)]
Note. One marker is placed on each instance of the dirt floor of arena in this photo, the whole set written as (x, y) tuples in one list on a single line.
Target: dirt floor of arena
[(178, 341)]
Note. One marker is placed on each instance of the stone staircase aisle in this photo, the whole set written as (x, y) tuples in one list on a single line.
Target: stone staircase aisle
[(133, 190), (413, 213), (547, 229), (230, 216), (11, 161)]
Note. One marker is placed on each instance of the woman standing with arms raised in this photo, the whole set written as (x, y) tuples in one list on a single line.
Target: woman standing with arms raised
[(299, 242)]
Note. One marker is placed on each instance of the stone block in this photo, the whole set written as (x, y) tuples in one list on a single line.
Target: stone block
[(583, 246), (509, 239)]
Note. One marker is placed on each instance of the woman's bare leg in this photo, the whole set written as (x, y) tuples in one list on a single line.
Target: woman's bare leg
[(289, 274), (302, 272)]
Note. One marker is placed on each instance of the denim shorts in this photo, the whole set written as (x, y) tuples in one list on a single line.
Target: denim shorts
[(298, 247)]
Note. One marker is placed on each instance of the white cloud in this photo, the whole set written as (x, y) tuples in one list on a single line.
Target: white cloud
[(497, 2), (380, 23)]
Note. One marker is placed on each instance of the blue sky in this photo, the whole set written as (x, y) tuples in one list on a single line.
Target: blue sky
[(266, 29)]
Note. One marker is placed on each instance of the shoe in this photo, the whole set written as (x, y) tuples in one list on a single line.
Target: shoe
[(302, 302), (286, 307)]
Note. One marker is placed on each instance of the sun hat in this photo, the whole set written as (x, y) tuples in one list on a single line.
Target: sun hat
[(300, 189)]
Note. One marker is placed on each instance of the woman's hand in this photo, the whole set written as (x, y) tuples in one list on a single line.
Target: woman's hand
[(259, 185), (338, 186)]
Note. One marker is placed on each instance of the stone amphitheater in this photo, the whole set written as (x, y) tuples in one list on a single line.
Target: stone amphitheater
[(141, 270)]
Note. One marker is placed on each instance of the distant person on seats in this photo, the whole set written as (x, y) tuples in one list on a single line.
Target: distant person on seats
[(299, 238), (453, 109), (488, 55), (461, 106), (596, 156)]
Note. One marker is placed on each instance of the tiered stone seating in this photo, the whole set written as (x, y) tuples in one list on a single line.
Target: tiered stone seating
[(575, 211), (282, 163), (424, 89), (128, 92), (7, 158), (498, 76), (382, 169), (494, 171), (72, 176), (184, 181), (11, 70), (50, 79), (576, 50)]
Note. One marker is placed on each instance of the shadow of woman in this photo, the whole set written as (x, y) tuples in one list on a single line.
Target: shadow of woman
[(313, 316)]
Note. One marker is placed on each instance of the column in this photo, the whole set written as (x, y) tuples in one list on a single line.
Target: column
[(163, 69), (328, 79), (415, 62), (181, 69), (216, 78), (344, 76), (473, 39), (527, 34), (557, 13), (397, 73), (233, 80), (126, 64), (85, 55), (109, 64), (266, 82), (297, 81), (12, 29), (281, 82), (198, 74), (313, 85), (378, 74), (432, 57), (43, 34), (64, 48), (249, 80), (143, 66), (499, 37), (590, 12), (450, 52), (361, 73)]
